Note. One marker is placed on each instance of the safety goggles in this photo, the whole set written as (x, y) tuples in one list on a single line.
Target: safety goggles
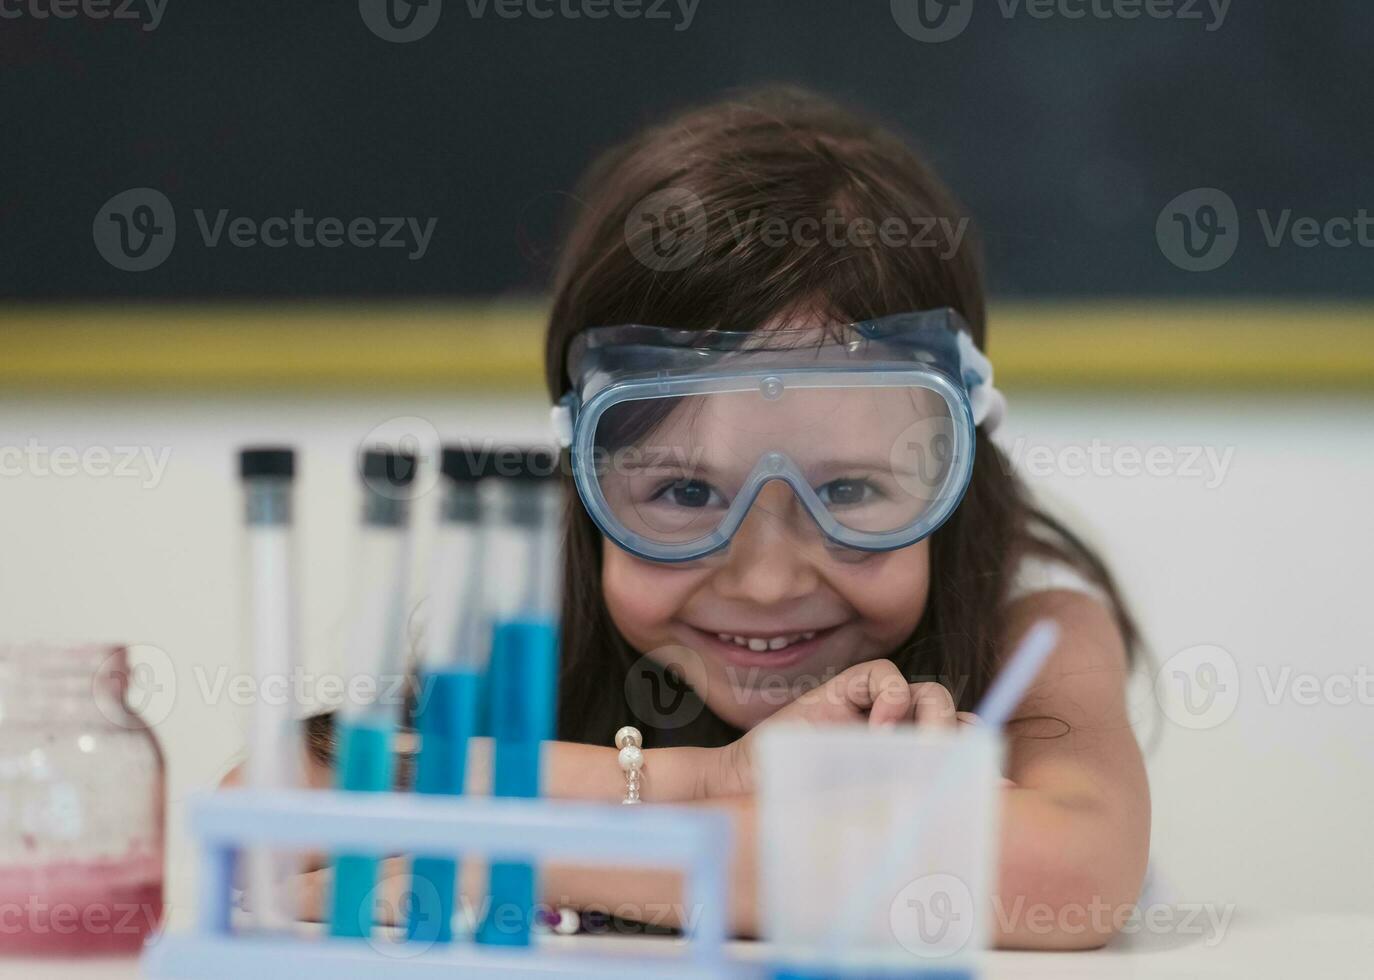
[(674, 433)]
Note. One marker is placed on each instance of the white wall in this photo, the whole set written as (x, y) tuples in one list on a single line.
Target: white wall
[(1268, 807)]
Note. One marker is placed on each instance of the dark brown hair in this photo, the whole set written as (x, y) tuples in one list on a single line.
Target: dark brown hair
[(734, 169)]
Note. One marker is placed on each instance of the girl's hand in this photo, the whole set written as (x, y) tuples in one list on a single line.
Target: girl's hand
[(874, 692)]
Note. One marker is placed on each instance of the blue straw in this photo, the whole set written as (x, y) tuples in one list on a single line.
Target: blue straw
[(1010, 686)]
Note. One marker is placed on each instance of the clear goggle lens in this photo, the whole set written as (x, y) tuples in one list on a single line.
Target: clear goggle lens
[(873, 459)]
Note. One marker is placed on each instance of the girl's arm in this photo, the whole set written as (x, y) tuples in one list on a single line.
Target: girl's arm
[(719, 778), (1075, 827), (1076, 823)]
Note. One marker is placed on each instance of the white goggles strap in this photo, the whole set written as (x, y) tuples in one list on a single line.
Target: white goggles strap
[(561, 417), (988, 404)]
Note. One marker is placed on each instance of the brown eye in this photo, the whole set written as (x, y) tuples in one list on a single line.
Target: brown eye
[(841, 493), (688, 493)]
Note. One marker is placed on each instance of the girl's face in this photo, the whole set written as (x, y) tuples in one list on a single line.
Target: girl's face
[(782, 609), (777, 613)]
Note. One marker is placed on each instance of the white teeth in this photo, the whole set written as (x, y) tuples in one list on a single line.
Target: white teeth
[(759, 645)]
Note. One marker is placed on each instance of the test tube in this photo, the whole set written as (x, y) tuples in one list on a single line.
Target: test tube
[(453, 669), (274, 744), (375, 665), (523, 572)]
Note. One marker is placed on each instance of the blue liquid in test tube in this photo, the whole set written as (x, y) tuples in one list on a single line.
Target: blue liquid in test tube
[(452, 677), (523, 572)]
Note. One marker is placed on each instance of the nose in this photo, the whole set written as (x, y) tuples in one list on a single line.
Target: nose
[(767, 562)]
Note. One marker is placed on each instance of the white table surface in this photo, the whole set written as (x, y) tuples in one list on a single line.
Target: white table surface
[(1253, 947)]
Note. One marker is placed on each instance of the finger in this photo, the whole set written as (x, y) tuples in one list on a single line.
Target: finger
[(826, 704), (885, 694), (933, 705), (968, 718)]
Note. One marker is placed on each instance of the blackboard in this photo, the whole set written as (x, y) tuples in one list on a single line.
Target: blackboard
[(1066, 126)]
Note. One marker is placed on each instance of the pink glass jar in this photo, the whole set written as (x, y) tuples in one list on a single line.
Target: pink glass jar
[(81, 805)]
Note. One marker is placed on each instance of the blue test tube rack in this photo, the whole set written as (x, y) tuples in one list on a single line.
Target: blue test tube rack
[(224, 824)]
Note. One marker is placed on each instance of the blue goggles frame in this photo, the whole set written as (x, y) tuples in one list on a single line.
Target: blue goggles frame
[(931, 350)]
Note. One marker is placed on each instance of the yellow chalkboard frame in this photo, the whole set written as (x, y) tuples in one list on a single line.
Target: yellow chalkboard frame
[(1116, 345)]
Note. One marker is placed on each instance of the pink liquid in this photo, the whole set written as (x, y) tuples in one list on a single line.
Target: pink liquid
[(97, 908)]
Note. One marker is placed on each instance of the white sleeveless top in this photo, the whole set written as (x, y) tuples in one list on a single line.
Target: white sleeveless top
[(1036, 573)]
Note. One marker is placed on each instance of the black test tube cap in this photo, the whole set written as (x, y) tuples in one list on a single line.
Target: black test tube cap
[(388, 467), (267, 461), (466, 463)]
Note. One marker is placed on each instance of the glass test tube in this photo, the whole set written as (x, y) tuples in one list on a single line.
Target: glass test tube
[(275, 745), (452, 676), (523, 573), (374, 668)]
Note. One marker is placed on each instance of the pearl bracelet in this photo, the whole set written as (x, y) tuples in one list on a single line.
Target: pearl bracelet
[(628, 741)]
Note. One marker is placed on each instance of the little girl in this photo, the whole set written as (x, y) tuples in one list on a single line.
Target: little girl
[(838, 542)]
